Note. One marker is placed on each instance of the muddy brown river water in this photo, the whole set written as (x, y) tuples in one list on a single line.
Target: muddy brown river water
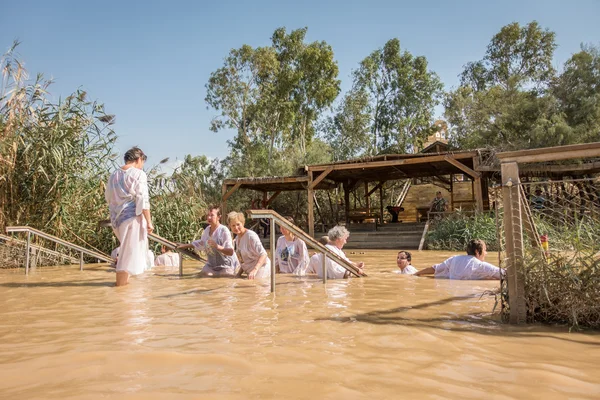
[(66, 334)]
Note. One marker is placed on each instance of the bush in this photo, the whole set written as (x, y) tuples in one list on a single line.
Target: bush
[(455, 231)]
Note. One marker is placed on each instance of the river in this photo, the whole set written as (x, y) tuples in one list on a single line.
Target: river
[(66, 334)]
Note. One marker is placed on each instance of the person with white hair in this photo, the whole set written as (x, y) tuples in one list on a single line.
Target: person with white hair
[(338, 235)]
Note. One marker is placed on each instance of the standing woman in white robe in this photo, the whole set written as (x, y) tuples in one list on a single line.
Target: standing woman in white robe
[(129, 204), (250, 252)]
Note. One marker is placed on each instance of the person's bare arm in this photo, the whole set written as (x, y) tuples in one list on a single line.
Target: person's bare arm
[(148, 217), (425, 271)]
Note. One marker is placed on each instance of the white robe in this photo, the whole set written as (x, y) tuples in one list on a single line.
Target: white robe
[(249, 249), (334, 270), (291, 257), (127, 195), (217, 261), (466, 268), (168, 259)]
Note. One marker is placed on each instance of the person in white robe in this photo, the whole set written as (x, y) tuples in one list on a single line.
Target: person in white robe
[(217, 243), (469, 267), (338, 235), (253, 258), (403, 261), (168, 258), (129, 204), (291, 254)]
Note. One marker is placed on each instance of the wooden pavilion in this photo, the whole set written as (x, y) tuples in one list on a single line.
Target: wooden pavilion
[(371, 172)]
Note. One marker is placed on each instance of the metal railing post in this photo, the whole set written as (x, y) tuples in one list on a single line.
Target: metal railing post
[(180, 264), (324, 267), (27, 249), (272, 244), (81, 261)]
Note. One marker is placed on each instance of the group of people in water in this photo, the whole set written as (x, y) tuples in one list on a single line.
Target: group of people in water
[(127, 196)]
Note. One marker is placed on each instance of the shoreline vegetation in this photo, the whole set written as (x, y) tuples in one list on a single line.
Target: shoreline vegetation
[(285, 103)]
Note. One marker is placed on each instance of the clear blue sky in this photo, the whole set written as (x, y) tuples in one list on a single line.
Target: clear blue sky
[(148, 61)]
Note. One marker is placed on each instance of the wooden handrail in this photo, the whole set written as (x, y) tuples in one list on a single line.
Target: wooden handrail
[(255, 214)]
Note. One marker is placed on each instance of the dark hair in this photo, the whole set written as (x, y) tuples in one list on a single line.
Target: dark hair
[(475, 246), (215, 207), (408, 255), (133, 154)]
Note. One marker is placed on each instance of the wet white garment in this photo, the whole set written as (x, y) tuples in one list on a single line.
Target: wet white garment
[(334, 270), (466, 268), (133, 252), (315, 263), (249, 249), (217, 261), (150, 259), (408, 270), (168, 259), (291, 257), (127, 195)]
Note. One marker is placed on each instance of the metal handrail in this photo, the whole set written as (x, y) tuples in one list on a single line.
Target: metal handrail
[(71, 259), (81, 250), (173, 246), (276, 218)]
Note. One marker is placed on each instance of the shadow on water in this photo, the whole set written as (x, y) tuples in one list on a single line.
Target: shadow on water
[(474, 323), (187, 292)]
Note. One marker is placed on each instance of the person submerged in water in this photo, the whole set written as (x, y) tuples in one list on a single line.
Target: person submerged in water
[(216, 242), (469, 267), (403, 261)]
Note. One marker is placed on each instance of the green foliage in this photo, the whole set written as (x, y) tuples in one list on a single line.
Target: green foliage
[(455, 231), (272, 96), (401, 93), (55, 158), (504, 100)]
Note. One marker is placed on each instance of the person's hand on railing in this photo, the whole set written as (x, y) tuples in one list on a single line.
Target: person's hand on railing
[(150, 227)]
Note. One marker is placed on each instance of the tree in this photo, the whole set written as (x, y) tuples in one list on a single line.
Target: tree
[(503, 100), (274, 94), (402, 94), (578, 92), (347, 130)]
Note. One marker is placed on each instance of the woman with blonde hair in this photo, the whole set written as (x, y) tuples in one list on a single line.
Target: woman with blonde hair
[(250, 252)]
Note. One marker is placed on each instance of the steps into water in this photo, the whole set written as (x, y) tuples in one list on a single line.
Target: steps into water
[(399, 236)]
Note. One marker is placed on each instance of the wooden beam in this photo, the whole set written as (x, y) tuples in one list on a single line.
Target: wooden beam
[(323, 175), (589, 166), (552, 153), (462, 167), (513, 232), (231, 191), (367, 198), (377, 164), (273, 197), (379, 185)]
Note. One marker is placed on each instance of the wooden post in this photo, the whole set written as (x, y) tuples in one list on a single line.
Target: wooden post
[(478, 186), (223, 200), (311, 206), (381, 202), (346, 186), (513, 231), (367, 198), (451, 192)]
